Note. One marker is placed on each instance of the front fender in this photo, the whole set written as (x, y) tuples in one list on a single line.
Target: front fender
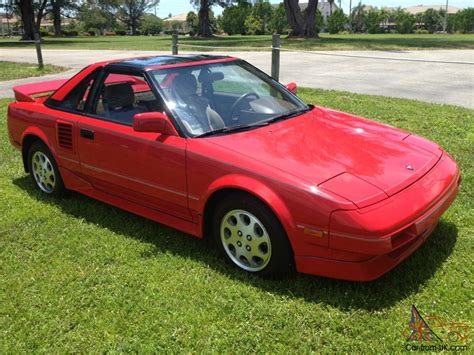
[(256, 188)]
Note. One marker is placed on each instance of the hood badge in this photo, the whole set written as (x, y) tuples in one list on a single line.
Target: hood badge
[(409, 167)]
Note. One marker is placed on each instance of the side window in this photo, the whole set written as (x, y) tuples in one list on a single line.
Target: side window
[(122, 96), (77, 98)]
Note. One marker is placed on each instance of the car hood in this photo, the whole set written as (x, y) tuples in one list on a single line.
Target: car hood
[(358, 159)]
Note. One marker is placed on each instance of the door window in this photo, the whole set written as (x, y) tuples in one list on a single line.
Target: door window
[(120, 97)]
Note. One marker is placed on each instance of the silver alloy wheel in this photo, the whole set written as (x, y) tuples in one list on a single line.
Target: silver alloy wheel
[(245, 240), (43, 172)]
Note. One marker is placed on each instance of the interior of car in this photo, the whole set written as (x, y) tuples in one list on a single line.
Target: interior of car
[(123, 96), (207, 99)]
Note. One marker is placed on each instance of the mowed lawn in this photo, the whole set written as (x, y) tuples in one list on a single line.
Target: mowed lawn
[(77, 275), (13, 70), (326, 42)]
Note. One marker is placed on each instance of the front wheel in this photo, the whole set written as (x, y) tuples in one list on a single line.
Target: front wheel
[(43, 170), (251, 237)]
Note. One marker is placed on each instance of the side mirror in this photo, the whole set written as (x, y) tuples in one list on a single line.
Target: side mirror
[(156, 122), (292, 87)]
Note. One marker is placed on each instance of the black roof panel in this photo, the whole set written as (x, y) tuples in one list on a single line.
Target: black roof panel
[(145, 62)]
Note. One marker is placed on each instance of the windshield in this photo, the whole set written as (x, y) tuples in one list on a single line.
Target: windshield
[(221, 97)]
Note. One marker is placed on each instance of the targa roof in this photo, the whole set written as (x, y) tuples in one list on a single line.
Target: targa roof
[(142, 63)]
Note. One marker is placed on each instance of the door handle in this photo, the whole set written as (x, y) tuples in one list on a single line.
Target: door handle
[(85, 133)]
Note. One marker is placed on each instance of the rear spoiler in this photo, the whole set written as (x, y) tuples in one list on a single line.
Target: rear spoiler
[(30, 92)]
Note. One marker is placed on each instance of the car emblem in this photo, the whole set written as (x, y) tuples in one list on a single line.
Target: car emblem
[(409, 167)]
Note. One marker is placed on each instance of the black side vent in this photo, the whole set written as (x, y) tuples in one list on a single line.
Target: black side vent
[(65, 135)]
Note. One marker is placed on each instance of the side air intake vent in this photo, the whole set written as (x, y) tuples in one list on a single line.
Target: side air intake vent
[(65, 135)]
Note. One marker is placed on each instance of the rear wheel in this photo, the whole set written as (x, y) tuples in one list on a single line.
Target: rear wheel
[(43, 170), (251, 237)]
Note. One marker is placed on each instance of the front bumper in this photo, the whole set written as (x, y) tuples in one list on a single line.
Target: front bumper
[(387, 232)]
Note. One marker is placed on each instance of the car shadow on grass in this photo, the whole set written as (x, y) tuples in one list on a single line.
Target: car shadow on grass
[(400, 283)]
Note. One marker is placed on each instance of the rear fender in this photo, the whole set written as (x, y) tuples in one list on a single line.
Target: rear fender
[(38, 133)]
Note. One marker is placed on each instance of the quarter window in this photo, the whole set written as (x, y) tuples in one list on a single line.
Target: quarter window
[(77, 98)]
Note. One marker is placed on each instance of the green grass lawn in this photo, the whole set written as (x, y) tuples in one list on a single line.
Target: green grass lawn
[(327, 42), (77, 275), (13, 70)]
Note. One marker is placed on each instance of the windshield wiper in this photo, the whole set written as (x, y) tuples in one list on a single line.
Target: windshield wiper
[(287, 115), (238, 128), (241, 128)]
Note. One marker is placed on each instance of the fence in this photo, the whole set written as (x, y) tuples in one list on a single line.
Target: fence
[(276, 49)]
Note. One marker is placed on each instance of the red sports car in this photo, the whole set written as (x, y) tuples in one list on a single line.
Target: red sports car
[(214, 147)]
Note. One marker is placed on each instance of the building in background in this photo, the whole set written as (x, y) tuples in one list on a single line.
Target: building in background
[(419, 9), (176, 23)]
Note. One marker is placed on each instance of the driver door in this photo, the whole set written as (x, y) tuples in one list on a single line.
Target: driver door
[(146, 168)]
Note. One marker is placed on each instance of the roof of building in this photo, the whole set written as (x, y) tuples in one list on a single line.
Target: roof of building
[(177, 18), (422, 8)]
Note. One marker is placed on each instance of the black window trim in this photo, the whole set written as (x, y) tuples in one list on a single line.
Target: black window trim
[(103, 72), (54, 104)]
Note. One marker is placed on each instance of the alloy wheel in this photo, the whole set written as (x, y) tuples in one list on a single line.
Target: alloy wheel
[(245, 240), (43, 172)]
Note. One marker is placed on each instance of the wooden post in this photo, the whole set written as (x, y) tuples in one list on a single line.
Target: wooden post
[(276, 56), (38, 50), (174, 43)]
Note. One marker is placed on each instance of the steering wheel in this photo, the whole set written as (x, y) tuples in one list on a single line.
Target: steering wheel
[(240, 100)]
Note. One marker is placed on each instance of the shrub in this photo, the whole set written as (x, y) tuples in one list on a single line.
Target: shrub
[(193, 21), (463, 21), (151, 24), (405, 22), (372, 21), (337, 21), (233, 18), (121, 32), (433, 20), (421, 32), (253, 26), (318, 21), (279, 22), (263, 12), (70, 33)]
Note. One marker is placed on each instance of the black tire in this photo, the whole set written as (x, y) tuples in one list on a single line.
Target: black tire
[(51, 187), (281, 261)]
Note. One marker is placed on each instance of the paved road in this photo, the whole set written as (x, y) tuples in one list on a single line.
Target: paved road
[(432, 82)]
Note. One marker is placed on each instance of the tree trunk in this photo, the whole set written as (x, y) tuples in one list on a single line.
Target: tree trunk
[(27, 19), (39, 15), (204, 27), (301, 25), (133, 27), (310, 13), (294, 16), (56, 17)]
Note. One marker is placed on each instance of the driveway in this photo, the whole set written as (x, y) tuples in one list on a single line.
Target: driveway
[(445, 83)]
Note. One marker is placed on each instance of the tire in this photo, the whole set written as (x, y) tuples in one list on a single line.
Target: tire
[(44, 171), (251, 237)]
